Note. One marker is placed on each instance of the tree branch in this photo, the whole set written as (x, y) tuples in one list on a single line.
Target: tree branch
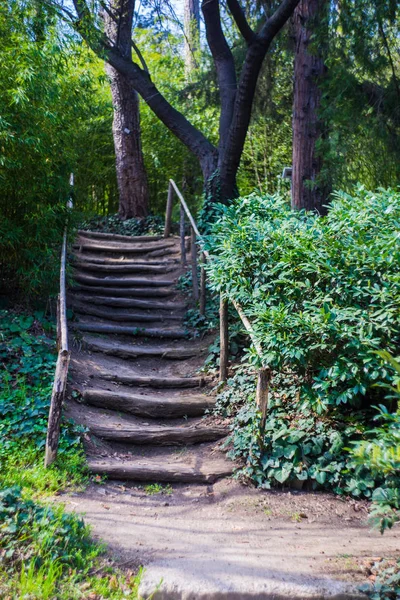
[(224, 65), (276, 21), (230, 160), (241, 21)]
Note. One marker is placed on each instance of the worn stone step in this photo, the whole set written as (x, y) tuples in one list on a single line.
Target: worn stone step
[(161, 406)]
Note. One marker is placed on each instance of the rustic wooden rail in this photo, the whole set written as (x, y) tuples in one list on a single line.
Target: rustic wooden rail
[(264, 373), (60, 377)]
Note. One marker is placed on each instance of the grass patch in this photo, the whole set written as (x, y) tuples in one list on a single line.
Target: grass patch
[(45, 552)]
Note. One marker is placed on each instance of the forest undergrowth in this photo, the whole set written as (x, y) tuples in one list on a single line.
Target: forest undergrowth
[(45, 552)]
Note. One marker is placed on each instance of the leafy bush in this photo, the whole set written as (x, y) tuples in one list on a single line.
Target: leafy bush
[(151, 225), (27, 358), (299, 447), (322, 292), (380, 454)]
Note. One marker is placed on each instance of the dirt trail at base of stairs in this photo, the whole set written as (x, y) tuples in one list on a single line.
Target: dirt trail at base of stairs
[(227, 540)]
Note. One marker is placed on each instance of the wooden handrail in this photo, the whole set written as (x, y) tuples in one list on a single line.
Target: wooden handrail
[(61, 373), (264, 373)]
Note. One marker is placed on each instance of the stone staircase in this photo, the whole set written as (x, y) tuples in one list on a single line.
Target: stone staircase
[(135, 364)]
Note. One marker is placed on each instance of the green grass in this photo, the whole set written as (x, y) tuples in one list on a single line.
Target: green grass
[(157, 488), (45, 552)]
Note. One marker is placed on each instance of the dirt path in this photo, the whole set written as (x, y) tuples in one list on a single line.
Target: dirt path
[(230, 541)]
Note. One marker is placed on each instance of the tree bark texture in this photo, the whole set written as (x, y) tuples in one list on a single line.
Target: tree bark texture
[(131, 172), (219, 165), (307, 191), (192, 34)]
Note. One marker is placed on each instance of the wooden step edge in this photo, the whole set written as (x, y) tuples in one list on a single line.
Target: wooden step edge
[(117, 236), (112, 315), (149, 406), (160, 435), (125, 292), (154, 381), (124, 248), (81, 265), (178, 473), (129, 302), (121, 282), (171, 334), (130, 351)]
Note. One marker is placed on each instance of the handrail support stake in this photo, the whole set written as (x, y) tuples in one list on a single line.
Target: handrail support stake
[(195, 280), (168, 212), (182, 235), (202, 286), (224, 339)]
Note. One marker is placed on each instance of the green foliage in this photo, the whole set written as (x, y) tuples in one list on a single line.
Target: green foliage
[(55, 119), (47, 553), (151, 225), (323, 293), (27, 355), (298, 447)]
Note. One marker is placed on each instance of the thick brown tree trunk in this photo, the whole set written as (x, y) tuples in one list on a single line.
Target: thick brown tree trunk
[(192, 34), (307, 190), (131, 172)]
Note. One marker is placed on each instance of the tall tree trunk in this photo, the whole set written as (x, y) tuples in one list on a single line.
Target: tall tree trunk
[(192, 34), (131, 172), (309, 68)]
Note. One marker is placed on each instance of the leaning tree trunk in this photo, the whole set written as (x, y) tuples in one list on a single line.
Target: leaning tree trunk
[(131, 172), (307, 190)]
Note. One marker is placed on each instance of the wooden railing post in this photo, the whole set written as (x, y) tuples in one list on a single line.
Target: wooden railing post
[(224, 339), (182, 235), (195, 280), (202, 286), (168, 212), (262, 394)]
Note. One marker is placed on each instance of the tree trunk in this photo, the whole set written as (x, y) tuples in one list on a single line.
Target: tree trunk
[(308, 191), (192, 34), (131, 172)]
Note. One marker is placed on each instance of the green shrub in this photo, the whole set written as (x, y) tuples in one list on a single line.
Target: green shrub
[(323, 293), (27, 356)]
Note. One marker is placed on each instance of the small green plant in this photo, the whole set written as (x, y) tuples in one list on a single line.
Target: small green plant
[(157, 488)]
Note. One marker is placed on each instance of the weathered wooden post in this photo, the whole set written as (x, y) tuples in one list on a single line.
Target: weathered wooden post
[(182, 234), (262, 394), (224, 339), (202, 285), (60, 378), (168, 212), (195, 280)]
